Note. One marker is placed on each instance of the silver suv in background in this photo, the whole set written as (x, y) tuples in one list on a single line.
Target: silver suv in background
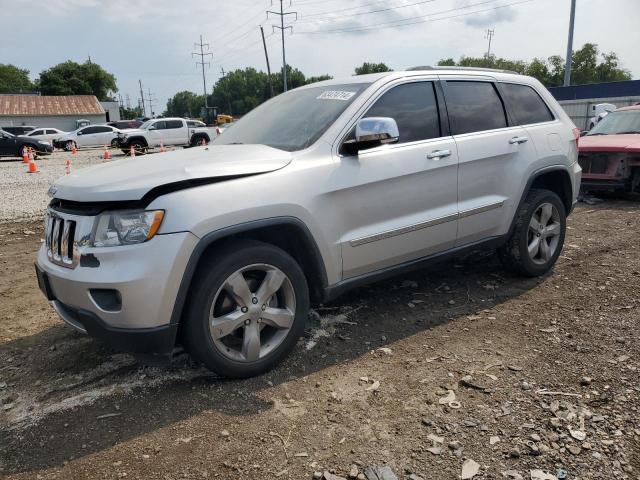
[(321, 189)]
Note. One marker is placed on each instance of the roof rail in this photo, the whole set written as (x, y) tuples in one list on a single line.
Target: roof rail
[(472, 69)]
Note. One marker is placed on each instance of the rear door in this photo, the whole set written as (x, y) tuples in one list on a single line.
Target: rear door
[(398, 202), (176, 132), (493, 154)]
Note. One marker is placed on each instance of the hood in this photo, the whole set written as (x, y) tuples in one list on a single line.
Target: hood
[(629, 142), (133, 131), (133, 178)]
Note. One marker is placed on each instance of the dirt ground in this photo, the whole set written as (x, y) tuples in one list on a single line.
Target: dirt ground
[(459, 365)]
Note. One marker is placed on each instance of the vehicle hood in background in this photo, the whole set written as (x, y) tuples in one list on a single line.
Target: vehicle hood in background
[(133, 178), (610, 143)]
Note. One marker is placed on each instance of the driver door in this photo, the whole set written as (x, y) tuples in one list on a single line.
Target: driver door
[(399, 202)]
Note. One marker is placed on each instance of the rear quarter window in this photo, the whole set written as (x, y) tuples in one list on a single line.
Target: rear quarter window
[(525, 105)]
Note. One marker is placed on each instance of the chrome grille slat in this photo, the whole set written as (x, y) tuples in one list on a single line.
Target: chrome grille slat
[(59, 240)]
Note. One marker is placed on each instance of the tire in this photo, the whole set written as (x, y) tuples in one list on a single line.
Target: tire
[(196, 141), (520, 253), (24, 150), (69, 145), (233, 335), (139, 147)]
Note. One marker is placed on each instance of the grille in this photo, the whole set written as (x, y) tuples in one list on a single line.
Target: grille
[(59, 240), (594, 162)]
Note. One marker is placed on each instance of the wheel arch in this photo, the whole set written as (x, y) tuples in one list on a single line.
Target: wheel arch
[(556, 179), (288, 233), (138, 138)]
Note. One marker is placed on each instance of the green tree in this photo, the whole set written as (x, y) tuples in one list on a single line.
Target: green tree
[(71, 78), (184, 104), (319, 78), (368, 67), (588, 66), (14, 79), (130, 113)]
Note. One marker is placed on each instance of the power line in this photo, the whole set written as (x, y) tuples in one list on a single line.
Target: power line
[(202, 56), (361, 13), (376, 3), (282, 14), (398, 23)]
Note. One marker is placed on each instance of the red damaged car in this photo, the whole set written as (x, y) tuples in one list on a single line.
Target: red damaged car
[(610, 153)]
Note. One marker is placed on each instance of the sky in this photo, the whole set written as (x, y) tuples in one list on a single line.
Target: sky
[(152, 40)]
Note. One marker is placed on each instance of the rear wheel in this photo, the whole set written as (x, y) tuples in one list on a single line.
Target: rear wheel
[(247, 310), (537, 239), (69, 145)]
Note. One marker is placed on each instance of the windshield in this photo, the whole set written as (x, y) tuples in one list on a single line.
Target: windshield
[(625, 121), (6, 134), (145, 125), (294, 120)]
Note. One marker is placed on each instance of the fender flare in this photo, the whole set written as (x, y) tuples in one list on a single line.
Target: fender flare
[(211, 237), (532, 178), (127, 143)]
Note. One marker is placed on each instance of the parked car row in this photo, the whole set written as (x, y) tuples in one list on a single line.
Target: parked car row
[(17, 146)]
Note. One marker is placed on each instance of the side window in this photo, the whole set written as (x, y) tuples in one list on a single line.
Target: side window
[(36, 132), (89, 130), (173, 124), (160, 125), (474, 107), (525, 104), (414, 108), (102, 130)]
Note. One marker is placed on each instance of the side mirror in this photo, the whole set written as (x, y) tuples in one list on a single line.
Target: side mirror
[(583, 133), (152, 127), (80, 132), (373, 132)]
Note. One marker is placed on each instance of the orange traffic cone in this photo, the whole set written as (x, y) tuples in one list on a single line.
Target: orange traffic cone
[(162, 149), (33, 167), (25, 155), (202, 142), (106, 155), (68, 165), (218, 131), (74, 150), (132, 151)]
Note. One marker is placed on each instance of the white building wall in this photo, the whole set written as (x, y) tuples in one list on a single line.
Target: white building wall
[(64, 123)]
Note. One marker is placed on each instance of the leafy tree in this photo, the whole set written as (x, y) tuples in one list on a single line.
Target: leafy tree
[(130, 113), (184, 104), (14, 79), (71, 78), (368, 67), (319, 78), (586, 67)]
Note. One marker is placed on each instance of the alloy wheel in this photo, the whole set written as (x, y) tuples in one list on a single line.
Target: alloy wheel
[(544, 233), (252, 312)]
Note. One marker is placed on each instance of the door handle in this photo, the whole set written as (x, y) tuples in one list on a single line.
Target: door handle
[(438, 154), (517, 140)]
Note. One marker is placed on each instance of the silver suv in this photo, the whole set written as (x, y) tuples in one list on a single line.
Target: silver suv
[(324, 188)]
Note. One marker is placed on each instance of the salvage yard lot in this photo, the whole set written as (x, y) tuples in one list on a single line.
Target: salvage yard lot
[(545, 372)]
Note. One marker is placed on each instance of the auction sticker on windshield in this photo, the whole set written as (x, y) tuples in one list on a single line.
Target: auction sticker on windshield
[(335, 95)]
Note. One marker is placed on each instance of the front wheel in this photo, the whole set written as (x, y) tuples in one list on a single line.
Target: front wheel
[(69, 145), (537, 239), (247, 310)]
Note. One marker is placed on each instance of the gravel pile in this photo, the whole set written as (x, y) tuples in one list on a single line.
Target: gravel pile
[(25, 195)]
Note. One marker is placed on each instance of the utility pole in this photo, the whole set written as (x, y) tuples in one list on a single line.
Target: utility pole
[(222, 71), (144, 109), (567, 65), (489, 36), (202, 56), (266, 55), (282, 28), (151, 100)]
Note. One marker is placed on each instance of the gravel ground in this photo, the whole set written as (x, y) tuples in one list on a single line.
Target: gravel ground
[(460, 371), (27, 193)]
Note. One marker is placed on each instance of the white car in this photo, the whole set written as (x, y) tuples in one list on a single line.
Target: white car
[(89, 136), (45, 134), (321, 189), (165, 131)]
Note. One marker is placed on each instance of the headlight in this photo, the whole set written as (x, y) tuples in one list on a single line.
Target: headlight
[(46, 143), (126, 227)]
